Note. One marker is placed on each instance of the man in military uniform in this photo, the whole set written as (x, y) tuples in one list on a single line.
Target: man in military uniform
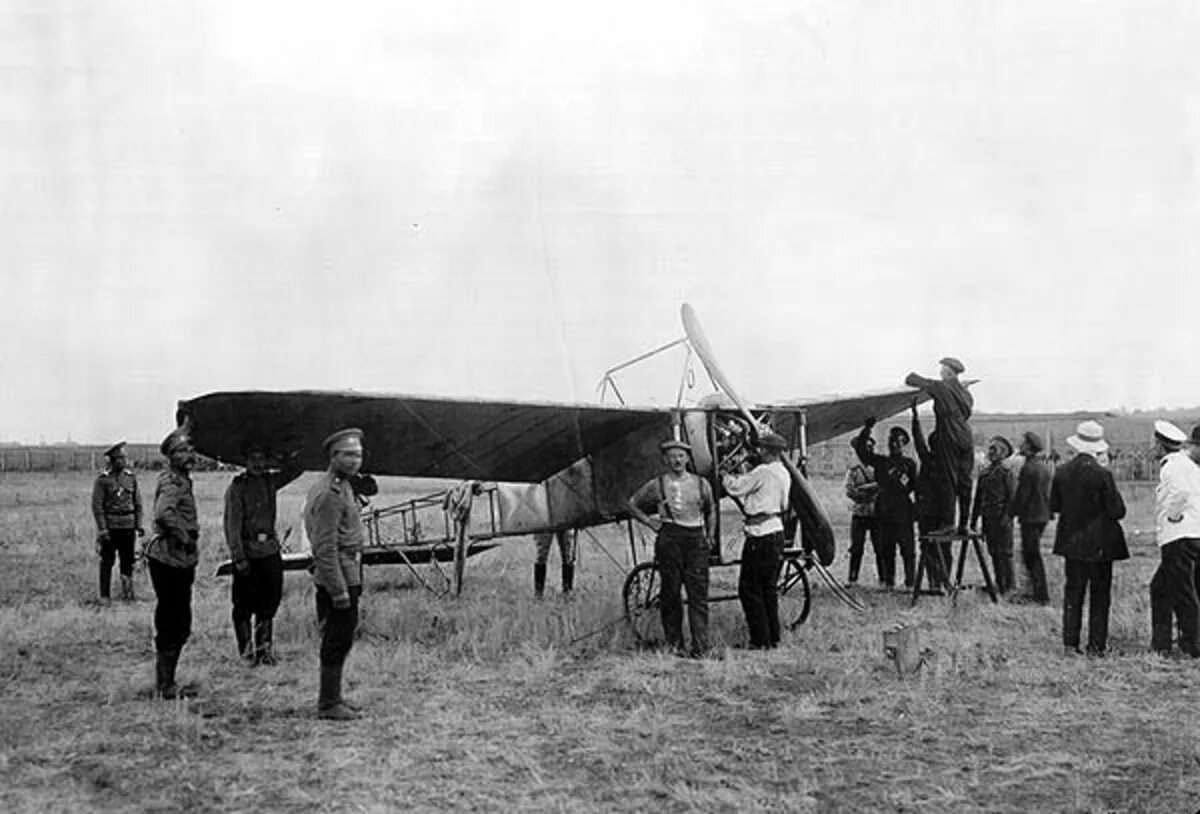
[(117, 507), (254, 548), (335, 530), (172, 555)]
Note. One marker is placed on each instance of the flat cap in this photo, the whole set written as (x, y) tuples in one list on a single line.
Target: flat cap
[(953, 364), (1169, 434), (115, 449), (900, 434), (1003, 443), (341, 435), (769, 440), (674, 443), (1034, 441), (174, 440)]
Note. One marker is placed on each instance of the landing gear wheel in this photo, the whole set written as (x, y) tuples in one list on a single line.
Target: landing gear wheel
[(795, 595), (641, 593)]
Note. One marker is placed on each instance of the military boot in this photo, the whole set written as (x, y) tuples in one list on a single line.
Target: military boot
[(105, 581), (127, 593), (568, 579), (241, 629), (329, 699), (539, 579), (263, 652)]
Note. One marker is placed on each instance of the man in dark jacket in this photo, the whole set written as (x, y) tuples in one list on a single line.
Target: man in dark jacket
[(1031, 508), (993, 496), (1089, 537), (896, 476), (955, 447), (250, 515)]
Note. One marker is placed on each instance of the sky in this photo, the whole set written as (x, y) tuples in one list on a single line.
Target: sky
[(502, 200)]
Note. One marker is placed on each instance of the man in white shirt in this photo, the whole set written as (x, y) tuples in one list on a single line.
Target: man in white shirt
[(763, 494), (684, 519), (1177, 524)]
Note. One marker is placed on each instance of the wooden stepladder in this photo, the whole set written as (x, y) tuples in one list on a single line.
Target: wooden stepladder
[(931, 562)]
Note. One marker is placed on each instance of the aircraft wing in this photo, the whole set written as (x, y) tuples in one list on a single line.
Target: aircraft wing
[(830, 416), (415, 436)]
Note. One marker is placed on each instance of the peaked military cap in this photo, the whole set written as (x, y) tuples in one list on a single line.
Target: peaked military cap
[(174, 440), (1169, 434), (115, 449), (341, 435), (675, 443)]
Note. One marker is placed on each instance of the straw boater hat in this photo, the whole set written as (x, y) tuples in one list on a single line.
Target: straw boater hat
[(1088, 438), (1171, 436)]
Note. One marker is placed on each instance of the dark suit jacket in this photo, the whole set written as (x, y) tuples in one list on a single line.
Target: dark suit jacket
[(1084, 496)]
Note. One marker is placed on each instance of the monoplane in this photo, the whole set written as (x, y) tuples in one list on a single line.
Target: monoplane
[(529, 467)]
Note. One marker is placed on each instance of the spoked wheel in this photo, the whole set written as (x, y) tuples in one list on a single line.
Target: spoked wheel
[(795, 595), (641, 593)]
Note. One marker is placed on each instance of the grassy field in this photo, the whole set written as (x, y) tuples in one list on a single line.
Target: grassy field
[(495, 702)]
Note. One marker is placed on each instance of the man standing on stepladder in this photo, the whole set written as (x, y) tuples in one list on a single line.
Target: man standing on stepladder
[(763, 493), (952, 406)]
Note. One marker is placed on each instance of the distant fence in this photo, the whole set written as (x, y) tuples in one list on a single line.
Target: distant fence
[(69, 458)]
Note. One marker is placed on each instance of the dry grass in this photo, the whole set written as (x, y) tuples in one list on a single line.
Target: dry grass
[(494, 701)]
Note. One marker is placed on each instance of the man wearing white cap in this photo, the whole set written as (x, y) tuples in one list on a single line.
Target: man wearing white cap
[(1177, 527), (1089, 537)]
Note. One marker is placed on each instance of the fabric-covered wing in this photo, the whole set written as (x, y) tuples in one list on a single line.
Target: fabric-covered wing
[(416, 436), (832, 416)]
